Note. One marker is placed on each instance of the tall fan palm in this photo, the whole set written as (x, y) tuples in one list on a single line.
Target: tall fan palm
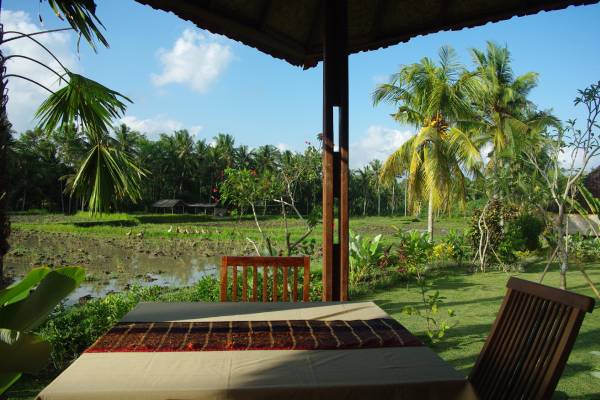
[(81, 16), (106, 174), (436, 99)]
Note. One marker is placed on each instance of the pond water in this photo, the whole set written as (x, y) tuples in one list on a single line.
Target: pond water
[(111, 265)]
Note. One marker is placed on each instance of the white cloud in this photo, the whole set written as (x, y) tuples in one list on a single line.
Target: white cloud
[(25, 97), (282, 147), (378, 143), (158, 124), (195, 60)]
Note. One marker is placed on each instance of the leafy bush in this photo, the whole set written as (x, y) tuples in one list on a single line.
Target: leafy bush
[(70, 330), (584, 248), (495, 234), (365, 255), (460, 247), (414, 251), (442, 252)]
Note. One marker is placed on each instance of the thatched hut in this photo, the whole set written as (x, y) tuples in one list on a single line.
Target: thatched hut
[(172, 205)]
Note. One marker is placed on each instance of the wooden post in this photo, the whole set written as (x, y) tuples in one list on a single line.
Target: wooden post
[(335, 163)]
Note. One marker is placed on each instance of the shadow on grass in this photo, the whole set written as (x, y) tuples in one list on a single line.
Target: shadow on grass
[(113, 223), (173, 218)]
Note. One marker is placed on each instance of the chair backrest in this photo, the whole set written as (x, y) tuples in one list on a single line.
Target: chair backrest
[(530, 342), (286, 268)]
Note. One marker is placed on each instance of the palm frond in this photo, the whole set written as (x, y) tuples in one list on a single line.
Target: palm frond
[(85, 101), (81, 15)]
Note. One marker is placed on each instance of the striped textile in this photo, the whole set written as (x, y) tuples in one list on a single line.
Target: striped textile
[(253, 335)]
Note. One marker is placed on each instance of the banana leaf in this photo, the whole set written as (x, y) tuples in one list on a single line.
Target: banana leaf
[(20, 290), (7, 379), (22, 352), (27, 314)]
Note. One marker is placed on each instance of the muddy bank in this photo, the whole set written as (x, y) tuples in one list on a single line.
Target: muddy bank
[(113, 264)]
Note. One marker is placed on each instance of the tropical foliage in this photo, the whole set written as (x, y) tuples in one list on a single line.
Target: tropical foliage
[(22, 311)]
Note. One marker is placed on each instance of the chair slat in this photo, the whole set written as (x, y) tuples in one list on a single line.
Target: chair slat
[(265, 283), (528, 373), (244, 283), (234, 284), (270, 278), (254, 283), (275, 273), (529, 343), (295, 284), (285, 283)]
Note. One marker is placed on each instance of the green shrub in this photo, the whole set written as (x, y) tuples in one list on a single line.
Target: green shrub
[(414, 251), (70, 330), (529, 228), (584, 249), (459, 245), (365, 255)]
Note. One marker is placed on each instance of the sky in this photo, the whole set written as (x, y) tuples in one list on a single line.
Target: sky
[(181, 77)]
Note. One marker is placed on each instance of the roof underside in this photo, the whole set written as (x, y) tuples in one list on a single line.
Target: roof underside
[(291, 29), (168, 203)]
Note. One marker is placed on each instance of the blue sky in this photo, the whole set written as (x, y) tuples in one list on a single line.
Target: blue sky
[(218, 85)]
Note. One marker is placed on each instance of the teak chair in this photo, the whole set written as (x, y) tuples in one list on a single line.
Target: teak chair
[(289, 267), (530, 342)]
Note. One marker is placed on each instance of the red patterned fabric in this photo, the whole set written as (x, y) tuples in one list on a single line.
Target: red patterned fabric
[(253, 335)]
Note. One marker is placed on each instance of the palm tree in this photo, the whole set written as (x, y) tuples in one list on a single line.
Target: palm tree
[(509, 117), (81, 16), (244, 157), (106, 174), (267, 157), (437, 100), (376, 166), (127, 139)]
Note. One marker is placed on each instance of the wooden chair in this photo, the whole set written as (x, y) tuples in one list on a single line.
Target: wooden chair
[(530, 342), (289, 266)]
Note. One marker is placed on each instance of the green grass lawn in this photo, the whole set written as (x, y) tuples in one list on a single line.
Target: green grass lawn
[(476, 299)]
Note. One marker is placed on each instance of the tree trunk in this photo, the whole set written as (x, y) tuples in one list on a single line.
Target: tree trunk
[(4, 176), (430, 217), (562, 246), (394, 197), (378, 202), (406, 198)]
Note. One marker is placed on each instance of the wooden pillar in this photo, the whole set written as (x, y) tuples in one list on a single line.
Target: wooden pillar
[(335, 163)]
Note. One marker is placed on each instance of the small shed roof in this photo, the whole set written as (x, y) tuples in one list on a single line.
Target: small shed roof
[(201, 205), (291, 29), (168, 203)]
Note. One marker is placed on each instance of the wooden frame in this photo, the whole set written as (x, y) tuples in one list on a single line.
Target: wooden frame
[(285, 264), (335, 163), (530, 342)]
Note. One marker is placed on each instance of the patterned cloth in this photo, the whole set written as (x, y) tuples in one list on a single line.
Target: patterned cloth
[(253, 335)]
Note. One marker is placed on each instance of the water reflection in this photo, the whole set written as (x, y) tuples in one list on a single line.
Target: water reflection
[(111, 266)]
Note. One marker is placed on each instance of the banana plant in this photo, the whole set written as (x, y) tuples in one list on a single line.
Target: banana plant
[(364, 256), (24, 306)]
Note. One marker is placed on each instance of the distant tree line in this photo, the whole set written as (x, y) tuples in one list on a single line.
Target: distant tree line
[(43, 165)]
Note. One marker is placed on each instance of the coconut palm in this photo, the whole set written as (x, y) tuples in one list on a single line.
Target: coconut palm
[(509, 117), (437, 100)]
